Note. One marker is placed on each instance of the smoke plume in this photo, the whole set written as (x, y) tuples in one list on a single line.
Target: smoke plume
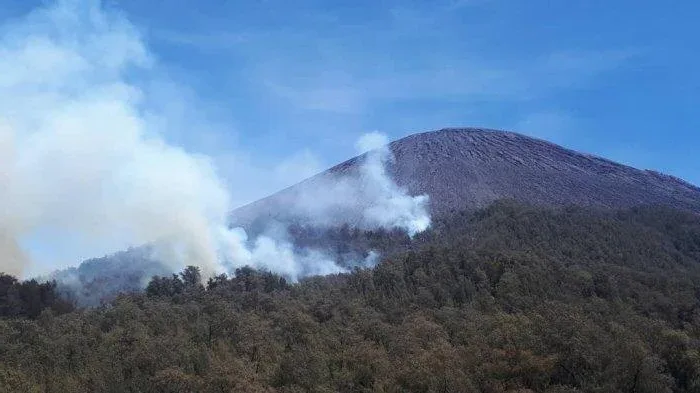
[(80, 155), (364, 196), (85, 161), (390, 205)]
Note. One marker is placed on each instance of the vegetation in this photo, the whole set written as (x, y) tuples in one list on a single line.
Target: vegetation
[(29, 298), (511, 298)]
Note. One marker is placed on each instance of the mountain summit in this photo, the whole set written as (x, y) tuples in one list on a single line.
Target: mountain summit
[(465, 168)]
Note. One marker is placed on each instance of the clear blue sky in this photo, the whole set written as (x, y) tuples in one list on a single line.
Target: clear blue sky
[(298, 81)]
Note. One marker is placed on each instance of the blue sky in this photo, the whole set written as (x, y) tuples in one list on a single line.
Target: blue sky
[(287, 87)]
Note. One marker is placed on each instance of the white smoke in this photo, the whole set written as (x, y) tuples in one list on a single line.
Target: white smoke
[(331, 201), (390, 206), (367, 198), (80, 155), (277, 254), (85, 160)]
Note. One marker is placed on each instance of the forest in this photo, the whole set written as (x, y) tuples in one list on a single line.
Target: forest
[(508, 298)]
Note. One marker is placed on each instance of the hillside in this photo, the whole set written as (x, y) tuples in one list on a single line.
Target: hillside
[(469, 168), (510, 298)]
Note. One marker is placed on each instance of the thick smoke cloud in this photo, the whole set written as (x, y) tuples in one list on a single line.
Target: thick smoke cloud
[(79, 155), (83, 158)]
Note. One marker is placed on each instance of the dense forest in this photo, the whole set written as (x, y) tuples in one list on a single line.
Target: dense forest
[(511, 298)]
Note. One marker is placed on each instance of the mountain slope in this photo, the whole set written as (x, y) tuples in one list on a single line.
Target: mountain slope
[(470, 168), (460, 169), (511, 298)]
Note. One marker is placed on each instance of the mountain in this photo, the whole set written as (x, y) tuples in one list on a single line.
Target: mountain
[(467, 168), (513, 297), (459, 169)]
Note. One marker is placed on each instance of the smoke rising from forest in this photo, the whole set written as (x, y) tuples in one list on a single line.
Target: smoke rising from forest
[(367, 198), (87, 160)]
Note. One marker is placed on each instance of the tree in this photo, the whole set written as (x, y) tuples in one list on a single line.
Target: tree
[(191, 277)]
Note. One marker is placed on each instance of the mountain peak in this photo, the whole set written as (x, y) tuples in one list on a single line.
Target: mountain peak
[(466, 168)]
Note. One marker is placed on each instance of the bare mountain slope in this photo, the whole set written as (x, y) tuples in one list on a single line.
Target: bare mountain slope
[(470, 168)]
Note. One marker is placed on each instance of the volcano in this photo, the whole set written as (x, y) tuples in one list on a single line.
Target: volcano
[(469, 168), (458, 169)]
